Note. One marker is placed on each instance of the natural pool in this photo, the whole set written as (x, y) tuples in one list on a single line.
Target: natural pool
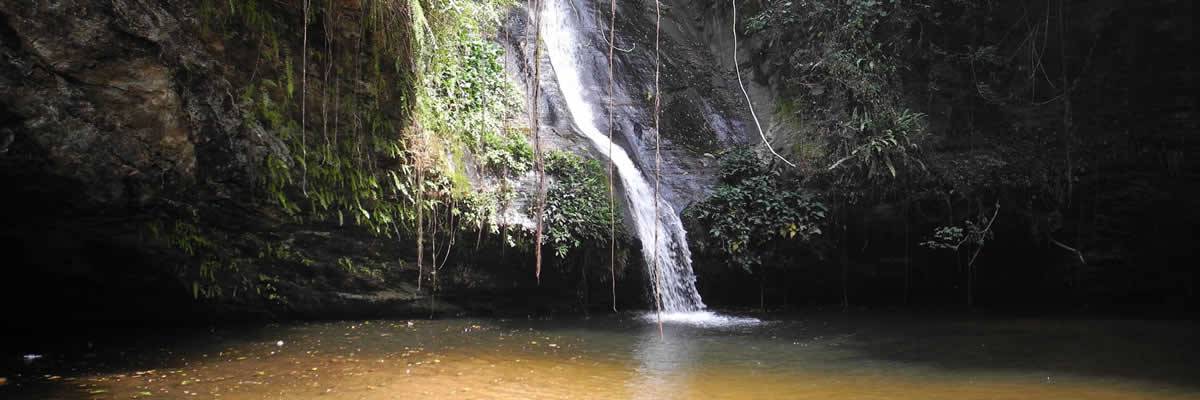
[(817, 356)]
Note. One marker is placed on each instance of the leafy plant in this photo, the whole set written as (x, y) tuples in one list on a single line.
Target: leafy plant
[(773, 14), (577, 211), (507, 151), (468, 96), (886, 142), (973, 234), (749, 212), (945, 237)]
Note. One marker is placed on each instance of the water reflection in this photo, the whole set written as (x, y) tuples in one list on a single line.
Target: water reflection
[(663, 363), (623, 357), (667, 363)]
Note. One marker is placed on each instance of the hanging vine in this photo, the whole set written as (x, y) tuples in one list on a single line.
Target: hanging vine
[(535, 88), (304, 103), (738, 71), (612, 219), (657, 164), (420, 203)]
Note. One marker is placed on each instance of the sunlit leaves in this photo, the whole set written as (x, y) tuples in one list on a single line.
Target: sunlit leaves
[(467, 99)]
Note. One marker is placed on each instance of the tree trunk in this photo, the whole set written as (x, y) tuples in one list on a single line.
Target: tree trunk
[(907, 256), (583, 282), (970, 287), (420, 226), (966, 270), (845, 257), (762, 296), (845, 290)]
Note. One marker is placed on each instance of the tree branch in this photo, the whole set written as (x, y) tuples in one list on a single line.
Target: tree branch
[(1070, 249)]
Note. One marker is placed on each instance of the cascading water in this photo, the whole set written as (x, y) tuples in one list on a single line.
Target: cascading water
[(562, 26)]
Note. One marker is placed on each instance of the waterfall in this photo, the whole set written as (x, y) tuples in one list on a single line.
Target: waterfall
[(563, 25)]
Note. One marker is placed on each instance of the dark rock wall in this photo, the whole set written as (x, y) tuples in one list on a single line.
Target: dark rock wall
[(1082, 139), (122, 99), (110, 114), (116, 115), (122, 125), (118, 121)]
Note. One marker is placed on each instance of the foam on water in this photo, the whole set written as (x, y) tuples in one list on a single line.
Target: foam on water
[(700, 318)]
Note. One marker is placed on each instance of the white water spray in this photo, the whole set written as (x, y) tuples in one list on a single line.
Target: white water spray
[(561, 27)]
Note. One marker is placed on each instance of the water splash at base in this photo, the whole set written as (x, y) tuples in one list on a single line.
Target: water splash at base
[(705, 319)]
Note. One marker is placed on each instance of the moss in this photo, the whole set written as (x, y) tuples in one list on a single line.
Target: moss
[(380, 100)]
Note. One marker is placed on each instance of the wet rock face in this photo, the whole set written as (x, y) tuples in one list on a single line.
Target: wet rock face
[(119, 112), (113, 114), (700, 111), (121, 115), (120, 97)]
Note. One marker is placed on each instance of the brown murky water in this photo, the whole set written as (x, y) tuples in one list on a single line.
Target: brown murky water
[(825, 357)]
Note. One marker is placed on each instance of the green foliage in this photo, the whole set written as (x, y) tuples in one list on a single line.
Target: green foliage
[(774, 14), (756, 23), (265, 286), (749, 213), (886, 142), (477, 209), (577, 209), (377, 83), (843, 77), (357, 269), (468, 98), (945, 237), (467, 81), (352, 164), (506, 152), (955, 237), (207, 261), (284, 253), (740, 164), (187, 238), (331, 168)]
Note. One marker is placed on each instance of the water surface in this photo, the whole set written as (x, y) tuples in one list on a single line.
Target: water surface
[(623, 357)]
